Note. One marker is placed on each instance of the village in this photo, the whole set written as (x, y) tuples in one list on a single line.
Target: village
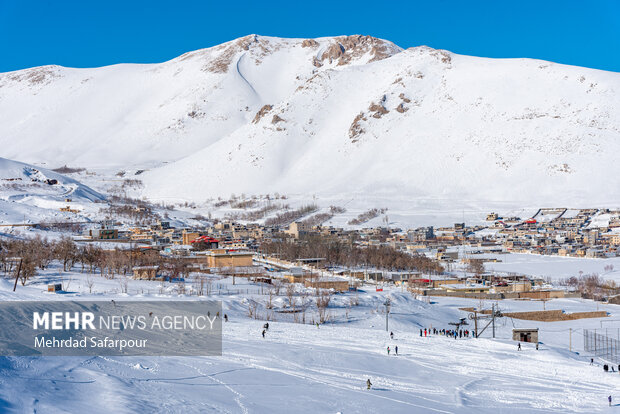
[(427, 261)]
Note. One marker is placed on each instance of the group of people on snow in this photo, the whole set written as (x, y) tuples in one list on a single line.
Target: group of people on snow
[(450, 333)]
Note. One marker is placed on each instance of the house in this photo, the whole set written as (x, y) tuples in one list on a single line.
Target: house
[(229, 258), (295, 275), (467, 288), (337, 285), (103, 234), (517, 286), (297, 229), (68, 209), (447, 256), (437, 283), (492, 216), (145, 272), (188, 237), (615, 300), (542, 294), (525, 335)]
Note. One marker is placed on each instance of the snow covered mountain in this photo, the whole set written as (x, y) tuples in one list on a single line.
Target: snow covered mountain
[(339, 115), (19, 180)]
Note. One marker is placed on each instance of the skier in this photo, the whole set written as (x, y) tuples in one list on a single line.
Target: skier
[(591, 361), (609, 399), (420, 331), (537, 346), (391, 335), (266, 326), (225, 318), (396, 350), (264, 333), (369, 384), (388, 350), (424, 331), (519, 347)]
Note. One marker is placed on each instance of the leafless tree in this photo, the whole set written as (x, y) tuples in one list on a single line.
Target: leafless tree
[(66, 251), (90, 283)]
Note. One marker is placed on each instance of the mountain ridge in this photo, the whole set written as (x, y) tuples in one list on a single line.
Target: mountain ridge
[(347, 114)]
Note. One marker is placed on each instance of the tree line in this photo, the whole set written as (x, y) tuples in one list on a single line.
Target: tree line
[(346, 253), (38, 253)]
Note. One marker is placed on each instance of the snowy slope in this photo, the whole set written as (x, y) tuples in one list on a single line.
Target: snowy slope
[(354, 115), (32, 194), (19, 180), (304, 369)]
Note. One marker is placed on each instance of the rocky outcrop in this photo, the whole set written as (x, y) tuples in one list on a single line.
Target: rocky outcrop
[(261, 113), (347, 48)]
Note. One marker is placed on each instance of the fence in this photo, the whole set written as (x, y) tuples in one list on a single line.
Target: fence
[(601, 345)]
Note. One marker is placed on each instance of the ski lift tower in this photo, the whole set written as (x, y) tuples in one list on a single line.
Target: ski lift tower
[(495, 313), (388, 305)]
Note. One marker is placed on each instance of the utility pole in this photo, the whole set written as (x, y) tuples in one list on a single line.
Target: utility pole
[(19, 268), (493, 310), (475, 324)]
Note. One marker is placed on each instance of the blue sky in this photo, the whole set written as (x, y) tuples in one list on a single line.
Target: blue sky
[(94, 33)]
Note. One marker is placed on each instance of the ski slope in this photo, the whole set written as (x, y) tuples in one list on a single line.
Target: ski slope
[(302, 368)]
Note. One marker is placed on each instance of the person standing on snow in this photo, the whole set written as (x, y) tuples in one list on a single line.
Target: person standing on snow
[(519, 347), (396, 351), (609, 399), (388, 350), (368, 384), (391, 335), (264, 333)]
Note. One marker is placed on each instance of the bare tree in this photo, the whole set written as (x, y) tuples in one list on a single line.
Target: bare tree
[(476, 266), (270, 299), (290, 294), (66, 251), (322, 303), (90, 283)]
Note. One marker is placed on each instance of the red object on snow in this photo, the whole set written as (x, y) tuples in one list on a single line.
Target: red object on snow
[(530, 221), (379, 289)]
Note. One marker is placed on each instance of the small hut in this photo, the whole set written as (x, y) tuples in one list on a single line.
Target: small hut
[(525, 335)]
